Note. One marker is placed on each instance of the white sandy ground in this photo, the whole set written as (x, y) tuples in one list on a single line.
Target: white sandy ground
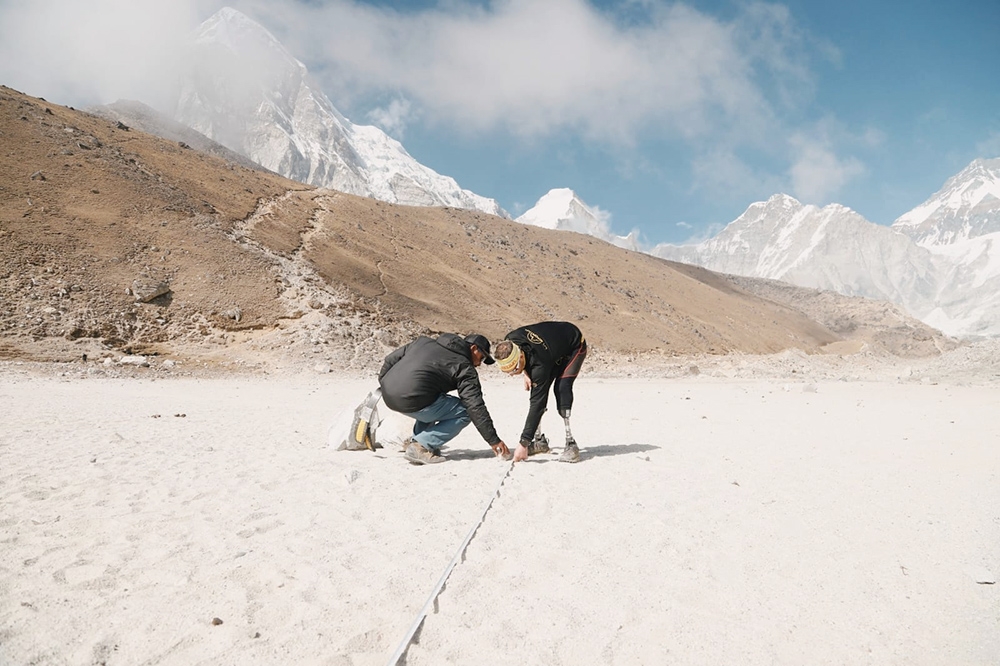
[(710, 521)]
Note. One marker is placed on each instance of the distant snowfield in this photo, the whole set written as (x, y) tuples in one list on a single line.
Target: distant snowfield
[(787, 520)]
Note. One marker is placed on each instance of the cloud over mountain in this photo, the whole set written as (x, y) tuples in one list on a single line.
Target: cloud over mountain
[(243, 89)]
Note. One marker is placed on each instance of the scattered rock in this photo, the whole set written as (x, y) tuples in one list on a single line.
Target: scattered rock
[(216, 621), (144, 289)]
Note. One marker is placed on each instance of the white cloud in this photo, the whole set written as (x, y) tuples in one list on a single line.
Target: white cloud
[(618, 74), (724, 175), (393, 118), (535, 68), (769, 36), (90, 52), (602, 217), (817, 172)]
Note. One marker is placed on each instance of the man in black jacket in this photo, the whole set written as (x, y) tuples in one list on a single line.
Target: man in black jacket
[(415, 381), (548, 353)]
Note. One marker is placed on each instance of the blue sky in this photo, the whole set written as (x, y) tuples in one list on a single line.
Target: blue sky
[(671, 118)]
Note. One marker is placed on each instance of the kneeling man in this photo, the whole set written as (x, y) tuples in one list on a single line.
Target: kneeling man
[(416, 380)]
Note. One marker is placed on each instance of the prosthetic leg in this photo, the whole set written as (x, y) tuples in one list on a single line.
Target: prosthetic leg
[(571, 452), (564, 400)]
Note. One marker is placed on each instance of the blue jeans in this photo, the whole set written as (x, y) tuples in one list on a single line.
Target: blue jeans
[(439, 422)]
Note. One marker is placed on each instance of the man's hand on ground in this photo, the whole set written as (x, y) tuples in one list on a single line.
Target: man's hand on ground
[(520, 453), (501, 450)]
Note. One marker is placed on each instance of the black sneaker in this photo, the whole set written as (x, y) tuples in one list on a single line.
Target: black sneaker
[(571, 453)]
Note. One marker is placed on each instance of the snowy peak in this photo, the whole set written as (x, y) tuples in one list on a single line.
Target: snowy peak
[(560, 208), (787, 208), (968, 206), (244, 90), (781, 239), (778, 211), (780, 225), (254, 57), (779, 202), (781, 217), (234, 30), (557, 207)]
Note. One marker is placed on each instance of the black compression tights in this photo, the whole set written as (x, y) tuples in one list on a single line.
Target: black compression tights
[(565, 379)]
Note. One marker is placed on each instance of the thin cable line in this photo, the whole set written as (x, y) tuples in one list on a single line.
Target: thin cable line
[(399, 655)]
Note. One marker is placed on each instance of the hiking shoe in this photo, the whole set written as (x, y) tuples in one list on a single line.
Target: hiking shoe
[(570, 454), (538, 445), (419, 455)]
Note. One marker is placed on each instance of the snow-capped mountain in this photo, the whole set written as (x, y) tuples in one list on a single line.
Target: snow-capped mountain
[(562, 209), (968, 206), (243, 89), (960, 225), (940, 261), (830, 248)]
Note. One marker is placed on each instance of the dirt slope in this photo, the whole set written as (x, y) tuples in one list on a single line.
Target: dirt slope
[(114, 241)]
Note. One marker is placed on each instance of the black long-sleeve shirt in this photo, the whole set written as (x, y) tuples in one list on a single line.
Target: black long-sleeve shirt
[(546, 346)]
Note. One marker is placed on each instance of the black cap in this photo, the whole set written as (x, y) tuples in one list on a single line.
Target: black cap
[(483, 344)]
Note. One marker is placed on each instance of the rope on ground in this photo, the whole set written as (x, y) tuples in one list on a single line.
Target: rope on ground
[(399, 656)]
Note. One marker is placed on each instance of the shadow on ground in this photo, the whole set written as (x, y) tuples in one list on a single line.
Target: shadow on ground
[(469, 454), (605, 450), (586, 453)]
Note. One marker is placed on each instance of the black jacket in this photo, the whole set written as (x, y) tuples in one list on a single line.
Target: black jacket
[(416, 374), (547, 346)]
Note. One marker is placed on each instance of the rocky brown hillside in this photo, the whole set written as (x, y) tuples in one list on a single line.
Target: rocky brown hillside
[(113, 241), (861, 323)]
